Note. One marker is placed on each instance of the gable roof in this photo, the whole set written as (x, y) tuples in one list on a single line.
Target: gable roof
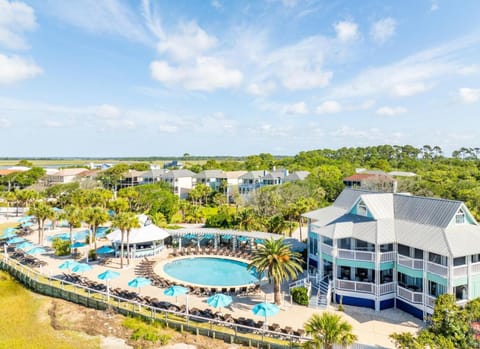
[(253, 175), (211, 174), (297, 176), (179, 174)]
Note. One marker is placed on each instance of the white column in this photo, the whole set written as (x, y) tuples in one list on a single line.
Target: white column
[(469, 277), (334, 266), (377, 277), (425, 284)]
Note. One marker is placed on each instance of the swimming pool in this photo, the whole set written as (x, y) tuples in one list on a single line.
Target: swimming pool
[(78, 236), (209, 271)]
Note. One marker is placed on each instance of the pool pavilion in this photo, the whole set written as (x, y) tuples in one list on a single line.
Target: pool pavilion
[(144, 241)]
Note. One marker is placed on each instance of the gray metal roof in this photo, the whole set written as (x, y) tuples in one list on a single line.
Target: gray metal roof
[(211, 174), (275, 174), (179, 174), (324, 216), (423, 210), (380, 204), (254, 175), (297, 176), (348, 197)]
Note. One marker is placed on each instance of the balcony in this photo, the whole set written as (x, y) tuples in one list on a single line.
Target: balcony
[(410, 263), (437, 269), (327, 249), (387, 288), (356, 255), (387, 256), (356, 286), (460, 271), (410, 295), (475, 268)]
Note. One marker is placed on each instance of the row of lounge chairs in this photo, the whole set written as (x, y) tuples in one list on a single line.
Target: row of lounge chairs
[(27, 259), (223, 251)]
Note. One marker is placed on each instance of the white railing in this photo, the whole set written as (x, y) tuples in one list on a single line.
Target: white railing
[(410, 296), (356, 286), (460, 271), (475, 267), (387, 288), (387, 256), (437, 269), (327, 249), (411, 263), (356, 255), (430, 301)]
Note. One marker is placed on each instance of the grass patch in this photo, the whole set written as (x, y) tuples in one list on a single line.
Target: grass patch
[(25, 323), (142, 330)]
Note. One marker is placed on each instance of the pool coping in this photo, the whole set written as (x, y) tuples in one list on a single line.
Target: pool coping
[(158, 269)]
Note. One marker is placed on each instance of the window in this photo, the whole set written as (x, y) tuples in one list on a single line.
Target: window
[(459, 261), (327, 241), (386, 247), (361, 209), (403, 250), (344, 244), (437, 259), (460, 217), (313, 245), (418, 254), (475, 258)]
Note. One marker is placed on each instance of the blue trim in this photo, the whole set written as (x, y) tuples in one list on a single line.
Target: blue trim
[(312, 263), (409, 309), (358, 302), (387, 303)]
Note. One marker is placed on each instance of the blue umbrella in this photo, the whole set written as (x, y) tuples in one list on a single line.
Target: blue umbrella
[(105, 250), (219, 300), (139, 282), (9, 230), (108, 275), (25, 219), (8, 235), (81, 268), (15, 240), (175, 291), (27, 224), (227, 237), (77, 244), (67, 264), (24, 245), (265, 309), (36, 250), (242, 238)]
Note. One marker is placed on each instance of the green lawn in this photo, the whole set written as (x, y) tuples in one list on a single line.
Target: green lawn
[(25, 322)]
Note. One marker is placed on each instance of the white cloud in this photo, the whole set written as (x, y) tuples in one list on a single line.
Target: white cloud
[(107, 111), (346, 30), (188, 43), (434, 5), (216, 4), (469, 69), (391, 111), (207, 74), (15, 18), (372, 135), (167, 128), (261, 88), (469, 95), (412, 75), (102, 17), (14, 68), (329, 107), (5, 123), (299, 108), (383, 29), (52, 124)]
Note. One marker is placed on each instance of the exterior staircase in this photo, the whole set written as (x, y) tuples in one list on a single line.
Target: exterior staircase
[(320, 291)]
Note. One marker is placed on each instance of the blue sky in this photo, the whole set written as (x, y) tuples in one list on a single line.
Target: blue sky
[(217, 77)]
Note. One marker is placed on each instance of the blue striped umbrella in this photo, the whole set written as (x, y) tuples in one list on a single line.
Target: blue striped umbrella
[(69, 264), (24, 245), (219, 300), (81, 268), (15, 240)]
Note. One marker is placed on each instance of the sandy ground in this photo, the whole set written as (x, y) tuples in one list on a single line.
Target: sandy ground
[(371, 327)]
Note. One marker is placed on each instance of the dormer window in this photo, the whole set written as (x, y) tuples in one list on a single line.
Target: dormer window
[(460, 217), (361, 209)]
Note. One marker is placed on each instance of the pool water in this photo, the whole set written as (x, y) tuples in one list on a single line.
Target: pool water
[(79, 236), (209, 271)]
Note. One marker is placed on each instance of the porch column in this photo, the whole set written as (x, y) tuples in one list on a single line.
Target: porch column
[(450, 275), (215, 241), (180, 242), (377, 257), (334, 267), (320, 267), (234, 242), (425, 284), (469, 277)]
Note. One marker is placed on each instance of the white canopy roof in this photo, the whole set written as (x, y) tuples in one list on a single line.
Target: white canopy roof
[(143, 234)]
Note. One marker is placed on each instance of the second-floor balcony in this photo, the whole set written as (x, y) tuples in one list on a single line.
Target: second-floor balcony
[(356, 286), (356, 255), (410, 263), (438, 269), (410, 295)]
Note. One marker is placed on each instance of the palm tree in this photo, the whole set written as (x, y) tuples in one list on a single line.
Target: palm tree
[(327, 330), (125, 221), (95, 216), (280, 263), (74, 216), (42, 212)]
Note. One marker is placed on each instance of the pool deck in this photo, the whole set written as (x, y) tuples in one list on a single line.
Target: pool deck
[(372, 328)]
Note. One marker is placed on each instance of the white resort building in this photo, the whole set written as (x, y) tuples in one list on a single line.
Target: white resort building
[(384, 250)]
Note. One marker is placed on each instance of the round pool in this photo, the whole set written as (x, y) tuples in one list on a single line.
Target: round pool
[(209, 271)]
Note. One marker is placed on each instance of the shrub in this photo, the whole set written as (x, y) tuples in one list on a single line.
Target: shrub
[(92, 255), (61, 247), (299, 295), (145, 331)]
